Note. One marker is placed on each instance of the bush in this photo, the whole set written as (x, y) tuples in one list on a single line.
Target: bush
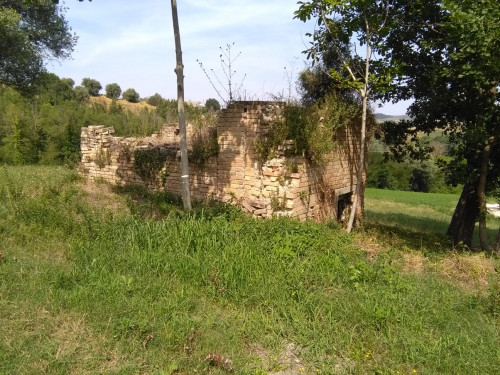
[(131, 96), (92, 85), (212, 104), (155, 100), (81, 94), (113, 91)]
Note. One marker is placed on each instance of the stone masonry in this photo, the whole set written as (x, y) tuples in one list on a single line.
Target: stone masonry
[(283, 186)]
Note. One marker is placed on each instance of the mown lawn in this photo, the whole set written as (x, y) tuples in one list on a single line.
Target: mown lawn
[(424, 213), (94, 282)]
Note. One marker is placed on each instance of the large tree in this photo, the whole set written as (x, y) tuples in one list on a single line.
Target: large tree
[(31, 31), (338, 23), (448, 58)]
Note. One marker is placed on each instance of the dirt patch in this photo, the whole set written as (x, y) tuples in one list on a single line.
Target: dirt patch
[(288, 362)]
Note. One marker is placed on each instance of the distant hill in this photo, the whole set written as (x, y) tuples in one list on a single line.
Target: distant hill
[(380, 117), (135, 108)]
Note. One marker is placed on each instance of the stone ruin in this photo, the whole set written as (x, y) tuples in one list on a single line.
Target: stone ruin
[(282, 186)]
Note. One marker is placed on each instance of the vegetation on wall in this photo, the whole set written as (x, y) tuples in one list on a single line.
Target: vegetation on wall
[(204, 145), (148, 162), (308, 131)]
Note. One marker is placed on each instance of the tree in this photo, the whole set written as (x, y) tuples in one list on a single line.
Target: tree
[(131, 96), (31, 31), (179, 70), (49, 88), (448, 58), (113, 90), (92, 85), (340, 21), (81, 94), (155, 100), (212, 104)]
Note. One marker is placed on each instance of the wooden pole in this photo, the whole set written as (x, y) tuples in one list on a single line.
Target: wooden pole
[(179, 70)]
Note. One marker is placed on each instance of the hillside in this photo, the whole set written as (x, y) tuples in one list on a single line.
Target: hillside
[(135, 108), (380, 117)]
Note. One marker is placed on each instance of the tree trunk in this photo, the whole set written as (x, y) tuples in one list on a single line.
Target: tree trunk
[(361, 167), (497, 245), (179, 70), (481, 194), (463, 221)]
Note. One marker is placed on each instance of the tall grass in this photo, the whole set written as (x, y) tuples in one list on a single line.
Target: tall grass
[(81, 290)]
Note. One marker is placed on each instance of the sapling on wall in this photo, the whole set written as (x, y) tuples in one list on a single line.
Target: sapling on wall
[(227, 60)]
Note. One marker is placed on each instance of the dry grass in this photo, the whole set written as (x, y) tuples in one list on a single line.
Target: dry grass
[(101, 195), (471, 271), (415, 262), (135, 108)]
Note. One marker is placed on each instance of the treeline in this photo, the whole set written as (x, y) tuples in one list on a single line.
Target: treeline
[(42, 125), (411, 174)]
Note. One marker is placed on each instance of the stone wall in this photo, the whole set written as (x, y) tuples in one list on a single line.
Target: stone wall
[(280, 186)]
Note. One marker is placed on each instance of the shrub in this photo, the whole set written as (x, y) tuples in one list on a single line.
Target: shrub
[(131, 96), (113, 91), (212, 104), (81, 94), (155, 100), (92, 85)]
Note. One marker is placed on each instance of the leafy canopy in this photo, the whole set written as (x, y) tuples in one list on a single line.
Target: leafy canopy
[(31, 32)]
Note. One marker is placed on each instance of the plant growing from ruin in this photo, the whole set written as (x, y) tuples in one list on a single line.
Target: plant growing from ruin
[(148, 162), (227, 60), (204, 146), (311, 130)]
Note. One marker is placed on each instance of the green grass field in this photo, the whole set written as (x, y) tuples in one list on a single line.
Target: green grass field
[(426, 214), (95, 282)]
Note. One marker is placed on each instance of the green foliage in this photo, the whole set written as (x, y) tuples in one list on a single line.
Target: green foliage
[(203, 146), (92, 85), (212, 105), (130, 95), (81, 94), (310, 130), (113, 90), (31, 32), (155, 100), (46, 128), (148, 162)]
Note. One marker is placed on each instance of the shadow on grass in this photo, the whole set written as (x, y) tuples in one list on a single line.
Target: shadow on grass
[(409, 221), (418, 233), (159, 205)]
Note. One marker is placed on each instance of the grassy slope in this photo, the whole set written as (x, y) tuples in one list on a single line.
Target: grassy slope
[(82, 286), (135, 108)]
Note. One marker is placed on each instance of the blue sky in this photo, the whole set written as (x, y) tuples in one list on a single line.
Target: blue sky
[(131, 43)]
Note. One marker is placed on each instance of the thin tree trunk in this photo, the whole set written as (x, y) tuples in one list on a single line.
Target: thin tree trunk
[(179, 70), (481, 194), (361, 166), (463, 221), (497, 245)]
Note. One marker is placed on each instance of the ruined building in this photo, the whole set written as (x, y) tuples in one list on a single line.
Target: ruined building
[(282, 186)]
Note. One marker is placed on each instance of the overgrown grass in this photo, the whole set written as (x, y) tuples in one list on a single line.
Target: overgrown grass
[(81, 289)]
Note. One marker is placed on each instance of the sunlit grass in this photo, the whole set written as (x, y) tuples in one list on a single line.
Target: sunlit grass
[(81, 290)]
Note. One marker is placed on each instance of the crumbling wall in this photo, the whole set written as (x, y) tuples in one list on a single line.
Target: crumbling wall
[(284, 186)]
